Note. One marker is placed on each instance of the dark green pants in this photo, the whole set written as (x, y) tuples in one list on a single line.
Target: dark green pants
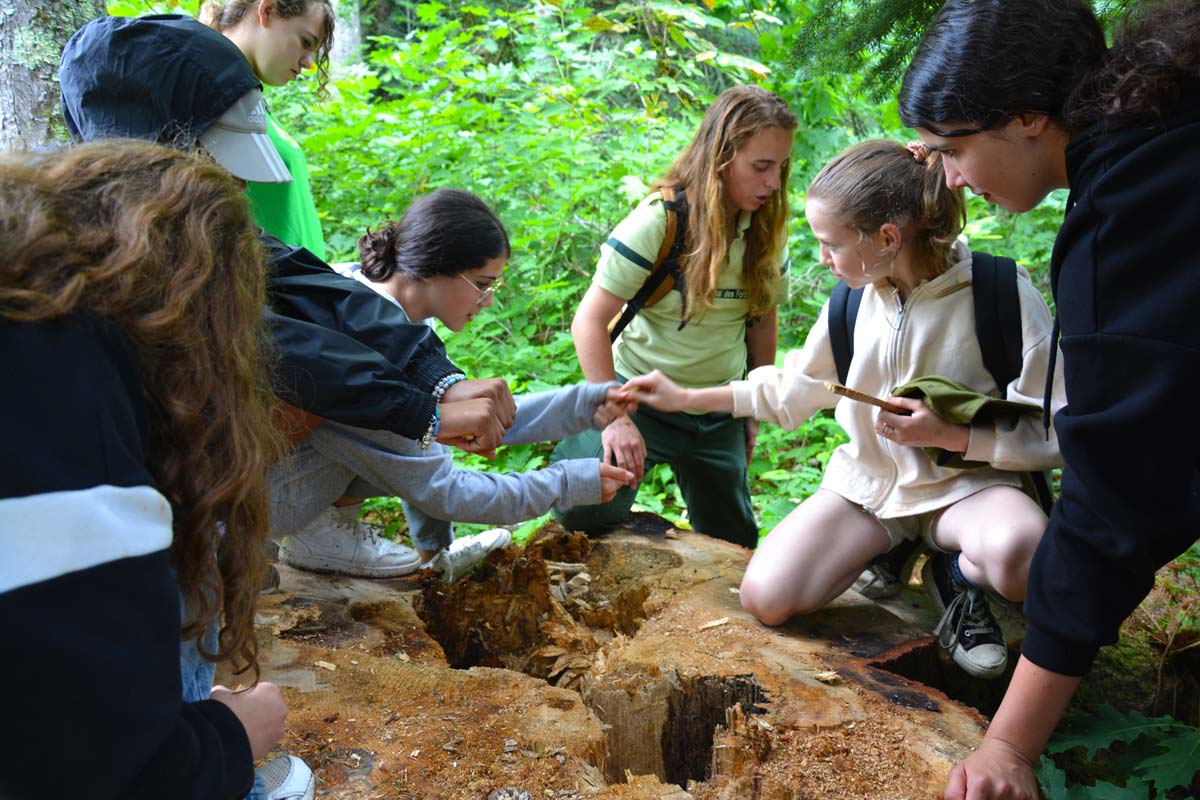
[(707, 454)]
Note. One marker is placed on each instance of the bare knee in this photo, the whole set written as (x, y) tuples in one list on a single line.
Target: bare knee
[(770, 604), (1005, 557)]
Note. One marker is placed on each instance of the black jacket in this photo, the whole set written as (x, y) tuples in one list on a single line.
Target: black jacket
[(345, 352), (1126, 277), (89, 607)]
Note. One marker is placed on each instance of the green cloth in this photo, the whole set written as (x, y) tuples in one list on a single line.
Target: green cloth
[(711, 349), (707, 454), (287, 210), (962, 405)]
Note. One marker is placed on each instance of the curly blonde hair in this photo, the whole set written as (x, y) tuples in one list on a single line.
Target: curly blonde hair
[(161, 242), (737, 115)]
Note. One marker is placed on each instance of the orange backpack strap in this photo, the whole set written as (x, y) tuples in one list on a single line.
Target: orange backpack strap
[(664, 272)]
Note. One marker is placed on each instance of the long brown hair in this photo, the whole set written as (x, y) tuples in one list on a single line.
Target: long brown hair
[(734, 117), (161, 242), (223, 16), (878, 181)]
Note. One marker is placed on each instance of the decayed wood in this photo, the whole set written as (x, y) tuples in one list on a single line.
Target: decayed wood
[(658, 685)]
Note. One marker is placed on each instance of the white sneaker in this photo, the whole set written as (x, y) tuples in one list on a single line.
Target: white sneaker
[(286, 778), (466, 552), (335, 542)]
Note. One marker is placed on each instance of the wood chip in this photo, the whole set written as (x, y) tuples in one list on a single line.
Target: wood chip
[(714, 624), (830, 676), (550, 651), (569, 568), (326, 665)]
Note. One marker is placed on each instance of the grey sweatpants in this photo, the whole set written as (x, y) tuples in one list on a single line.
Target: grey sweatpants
[(342, 461)]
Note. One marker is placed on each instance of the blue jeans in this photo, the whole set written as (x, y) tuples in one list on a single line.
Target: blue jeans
[(198, 674)]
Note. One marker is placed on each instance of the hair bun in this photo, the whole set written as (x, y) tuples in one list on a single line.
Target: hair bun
[(919, 150), (377, 251)]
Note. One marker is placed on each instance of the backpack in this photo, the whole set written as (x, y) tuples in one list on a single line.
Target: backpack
[(997, 327), (664, 272)]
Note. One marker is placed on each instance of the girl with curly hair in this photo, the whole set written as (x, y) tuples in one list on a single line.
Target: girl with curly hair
[(137, 436)]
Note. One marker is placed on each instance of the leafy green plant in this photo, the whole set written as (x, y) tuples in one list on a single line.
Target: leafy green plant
[(1134, 756)]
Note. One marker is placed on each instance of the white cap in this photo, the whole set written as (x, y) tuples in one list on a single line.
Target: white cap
[(238, 141)]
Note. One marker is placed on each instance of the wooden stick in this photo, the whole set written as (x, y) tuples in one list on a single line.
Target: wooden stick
[(837, 388)]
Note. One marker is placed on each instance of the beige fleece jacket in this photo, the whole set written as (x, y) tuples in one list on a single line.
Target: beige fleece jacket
[(933, 332)]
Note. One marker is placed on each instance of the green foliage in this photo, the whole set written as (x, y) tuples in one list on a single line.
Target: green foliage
[(877, 37), (560, 114), (1143, 757)]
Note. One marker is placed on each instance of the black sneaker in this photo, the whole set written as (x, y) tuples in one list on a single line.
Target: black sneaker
[(967, 629), (887, 575)]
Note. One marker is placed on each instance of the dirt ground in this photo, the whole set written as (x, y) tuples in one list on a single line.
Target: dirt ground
[(620, 667)]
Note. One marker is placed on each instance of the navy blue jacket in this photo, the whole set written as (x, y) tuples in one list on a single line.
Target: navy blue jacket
[(89, 607), (1126, 278)]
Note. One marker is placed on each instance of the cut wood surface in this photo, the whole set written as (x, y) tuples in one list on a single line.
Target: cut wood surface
[(644, 679)]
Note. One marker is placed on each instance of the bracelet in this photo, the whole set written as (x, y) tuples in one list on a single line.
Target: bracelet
[(445, 383), (431, 433)]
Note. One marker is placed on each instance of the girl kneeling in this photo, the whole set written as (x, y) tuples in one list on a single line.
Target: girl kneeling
[(886, 222)]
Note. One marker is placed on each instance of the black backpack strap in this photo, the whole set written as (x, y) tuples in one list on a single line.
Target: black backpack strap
[(843, 313), (668, 267), (998, 329), (997, 316)]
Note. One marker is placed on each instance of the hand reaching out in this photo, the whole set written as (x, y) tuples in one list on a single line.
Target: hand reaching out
[(617, 403), (996, 771), (658, 391), (612, 479)]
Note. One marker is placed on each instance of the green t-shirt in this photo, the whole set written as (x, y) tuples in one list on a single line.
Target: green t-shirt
[(286, 210), (711, 348)]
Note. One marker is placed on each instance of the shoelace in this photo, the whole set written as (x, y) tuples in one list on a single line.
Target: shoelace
[(359, 529), (973, 621)]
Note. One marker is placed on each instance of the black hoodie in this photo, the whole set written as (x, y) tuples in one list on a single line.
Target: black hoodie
[(1126, 278)]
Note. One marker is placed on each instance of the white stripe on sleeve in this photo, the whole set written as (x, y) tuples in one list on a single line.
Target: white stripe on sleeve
[(49, 535)]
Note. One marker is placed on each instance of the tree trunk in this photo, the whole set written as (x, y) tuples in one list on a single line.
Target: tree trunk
[(32, 35), (347, 35)]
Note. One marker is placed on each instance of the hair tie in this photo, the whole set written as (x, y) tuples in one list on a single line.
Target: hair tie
[(919, 150)]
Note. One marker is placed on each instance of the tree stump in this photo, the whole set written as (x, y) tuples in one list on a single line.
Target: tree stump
[(618, 667)]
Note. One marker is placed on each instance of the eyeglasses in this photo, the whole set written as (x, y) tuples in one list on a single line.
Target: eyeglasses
[(484, 294)]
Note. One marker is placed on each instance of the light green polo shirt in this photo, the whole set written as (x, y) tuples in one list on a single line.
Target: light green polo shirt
[(711, 348), (287, 210)]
